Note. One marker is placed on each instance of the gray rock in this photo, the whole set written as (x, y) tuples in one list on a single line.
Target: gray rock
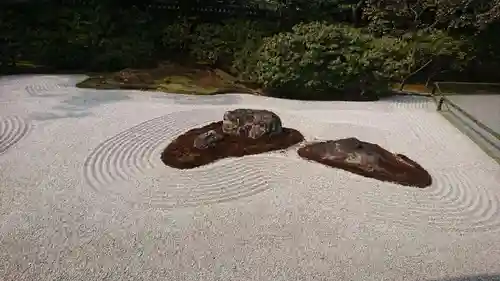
[(207, 139), (251, 123)]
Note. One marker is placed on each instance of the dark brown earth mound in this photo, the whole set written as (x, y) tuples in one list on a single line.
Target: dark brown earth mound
[(207, 144), (367, 159)]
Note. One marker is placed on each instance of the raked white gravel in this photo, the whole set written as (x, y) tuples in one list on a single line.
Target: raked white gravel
[(84, 195)]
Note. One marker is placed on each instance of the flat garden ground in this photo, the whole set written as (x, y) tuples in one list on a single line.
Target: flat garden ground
[(84, 194)]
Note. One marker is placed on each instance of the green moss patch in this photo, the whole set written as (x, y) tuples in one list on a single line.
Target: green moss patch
[(171, 78)]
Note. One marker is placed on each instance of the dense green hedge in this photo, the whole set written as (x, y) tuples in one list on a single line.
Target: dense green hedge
[(222, 44), (336, 61), (317, 60), (312, 60)]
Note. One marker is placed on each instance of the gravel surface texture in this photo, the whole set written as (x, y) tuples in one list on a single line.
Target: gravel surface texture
[(485, 108), (85, 196)]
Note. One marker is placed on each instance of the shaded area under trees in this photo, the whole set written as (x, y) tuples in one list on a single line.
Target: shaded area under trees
[(320, 46)]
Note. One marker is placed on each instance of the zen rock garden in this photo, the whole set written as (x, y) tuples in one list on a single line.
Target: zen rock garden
[(250, 131)]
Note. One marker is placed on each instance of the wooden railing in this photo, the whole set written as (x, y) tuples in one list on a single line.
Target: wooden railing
[(441, 98)]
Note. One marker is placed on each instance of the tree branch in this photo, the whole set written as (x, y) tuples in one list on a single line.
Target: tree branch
[(414, 72)]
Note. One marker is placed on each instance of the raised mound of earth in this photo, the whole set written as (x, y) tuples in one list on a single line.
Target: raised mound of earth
[(367, 159), (241, 132), (172, 78)]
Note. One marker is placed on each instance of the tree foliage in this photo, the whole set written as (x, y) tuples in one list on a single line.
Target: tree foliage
[(218, 44), (318, 60), (327, 47)]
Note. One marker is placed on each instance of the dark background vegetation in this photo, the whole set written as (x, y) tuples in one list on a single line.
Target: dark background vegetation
[(296, 48)]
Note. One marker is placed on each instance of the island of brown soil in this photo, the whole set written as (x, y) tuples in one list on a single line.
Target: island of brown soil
[(369, 160), (182, 154)]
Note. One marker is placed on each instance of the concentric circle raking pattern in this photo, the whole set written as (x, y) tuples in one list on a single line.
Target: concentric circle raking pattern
[(126, 156), (12, 130), (221, 181), (132, 151), (453, 203), (463, 196)]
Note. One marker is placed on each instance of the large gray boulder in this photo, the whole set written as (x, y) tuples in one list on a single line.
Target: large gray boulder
[(251, 123)]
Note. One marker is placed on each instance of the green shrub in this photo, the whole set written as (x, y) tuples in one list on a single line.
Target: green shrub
[(390, 57), (176, 37), (439, 47), (227, 44), (246, 59), (319, 61), (397, 58)]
